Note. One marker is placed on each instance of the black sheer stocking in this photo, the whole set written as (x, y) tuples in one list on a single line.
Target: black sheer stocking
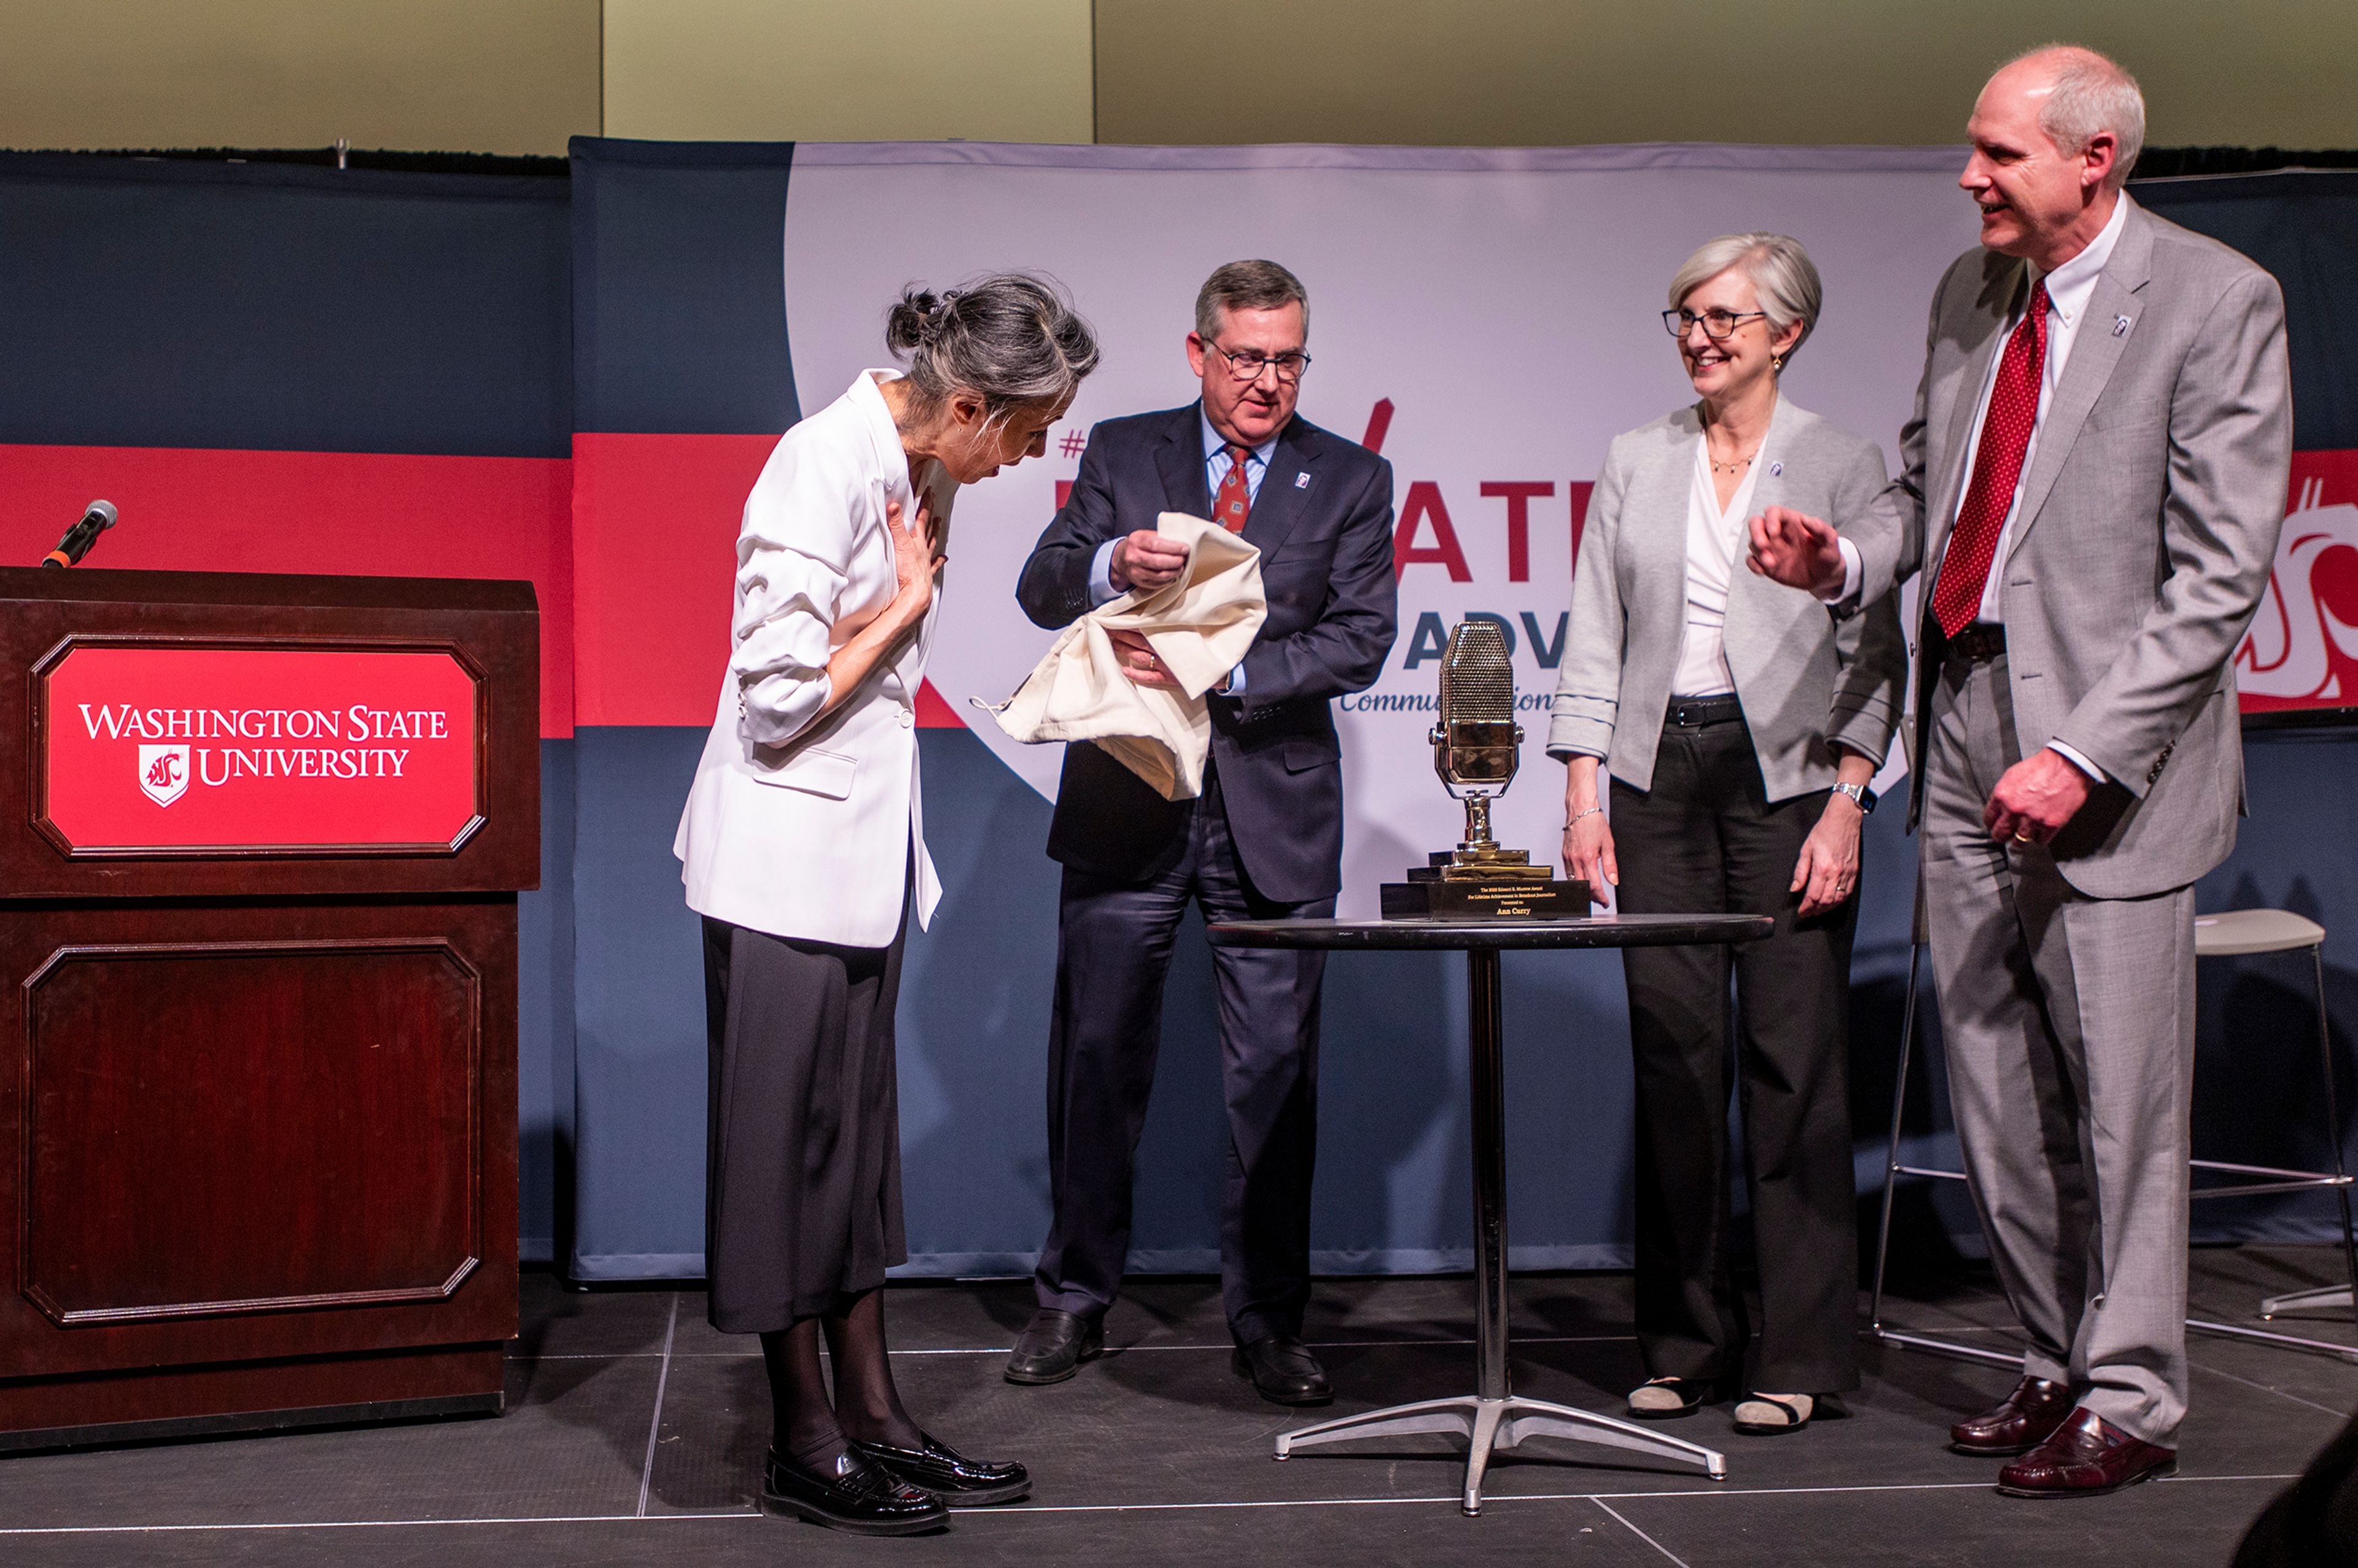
[(805, 1429), (866, 1403)]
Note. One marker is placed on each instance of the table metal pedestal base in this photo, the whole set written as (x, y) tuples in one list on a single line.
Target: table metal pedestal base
[(1491, 1418), (1489, 1426)]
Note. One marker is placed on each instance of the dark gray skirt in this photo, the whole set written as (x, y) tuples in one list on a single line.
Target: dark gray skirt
[(802, 1208)]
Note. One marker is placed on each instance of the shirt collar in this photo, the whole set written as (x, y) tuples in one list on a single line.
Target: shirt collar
[(1215, 443), (2069, 286)]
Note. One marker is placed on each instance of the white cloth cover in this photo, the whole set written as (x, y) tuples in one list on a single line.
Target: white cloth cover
[(1199, 627)]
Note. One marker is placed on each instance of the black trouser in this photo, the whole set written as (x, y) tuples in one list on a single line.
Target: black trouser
[(1705, 839), (803, 1126), (1113, 951)]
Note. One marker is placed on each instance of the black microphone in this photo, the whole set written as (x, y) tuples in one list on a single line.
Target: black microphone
[(96, 519)]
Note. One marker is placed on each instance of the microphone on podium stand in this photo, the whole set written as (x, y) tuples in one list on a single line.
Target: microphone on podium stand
[(1476, 747), (96, 519)]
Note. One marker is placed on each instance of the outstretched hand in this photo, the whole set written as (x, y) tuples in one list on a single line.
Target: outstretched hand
[(1797, 551)]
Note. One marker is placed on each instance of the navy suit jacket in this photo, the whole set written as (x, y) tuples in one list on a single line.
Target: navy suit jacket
[(1323, 523)]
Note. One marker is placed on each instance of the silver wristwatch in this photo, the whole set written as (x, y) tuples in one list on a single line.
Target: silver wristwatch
[(1862, 796)]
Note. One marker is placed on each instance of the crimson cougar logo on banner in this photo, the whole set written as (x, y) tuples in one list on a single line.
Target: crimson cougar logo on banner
[(164, 773), (2302, 649)]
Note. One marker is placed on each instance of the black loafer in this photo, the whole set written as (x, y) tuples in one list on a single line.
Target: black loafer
[(853, 1496), (1054, 1346), (1284, 1371), (950, 1476)]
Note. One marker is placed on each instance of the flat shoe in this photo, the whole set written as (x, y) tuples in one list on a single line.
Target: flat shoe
[(1753, 1426), (852, 1495), (1693, 1394), (948, 1474)]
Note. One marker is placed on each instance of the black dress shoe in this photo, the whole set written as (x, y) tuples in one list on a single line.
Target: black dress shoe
[(1284, 1371), (852, 1495), (950, 1476), (1054, 1346)]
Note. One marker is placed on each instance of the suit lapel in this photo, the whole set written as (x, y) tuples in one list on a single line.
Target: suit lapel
[(1180, 461), (1662, 493), (1279, 504), (1769, 489), (2094, 354)]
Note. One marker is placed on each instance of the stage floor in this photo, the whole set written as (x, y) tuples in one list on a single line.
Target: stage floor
[(634, 1434)]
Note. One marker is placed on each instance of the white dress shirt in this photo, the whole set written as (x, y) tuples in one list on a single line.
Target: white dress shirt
[(1713, 536), (2069, 289)]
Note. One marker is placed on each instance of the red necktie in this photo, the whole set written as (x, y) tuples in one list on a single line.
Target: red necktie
[(1234, 503), (1998, 465)]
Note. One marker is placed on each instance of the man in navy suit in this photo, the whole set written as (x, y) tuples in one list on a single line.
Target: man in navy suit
[(1263, 841)]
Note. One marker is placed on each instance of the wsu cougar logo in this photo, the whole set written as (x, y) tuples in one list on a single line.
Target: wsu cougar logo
[(164, 773), (2303, 646)]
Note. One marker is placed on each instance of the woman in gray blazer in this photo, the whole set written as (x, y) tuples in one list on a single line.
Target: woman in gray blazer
[(1740, 726)]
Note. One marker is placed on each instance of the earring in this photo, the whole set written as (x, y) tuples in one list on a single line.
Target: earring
[(1776, 362)]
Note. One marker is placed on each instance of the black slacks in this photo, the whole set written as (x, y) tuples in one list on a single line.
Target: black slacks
[(1705, 839), (1113, 951), (802, 1204)]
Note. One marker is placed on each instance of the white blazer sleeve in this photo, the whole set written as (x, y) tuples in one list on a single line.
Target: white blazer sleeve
[(794, 558)]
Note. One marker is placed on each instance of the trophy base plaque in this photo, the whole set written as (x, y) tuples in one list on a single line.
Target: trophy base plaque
[(1483, 883)]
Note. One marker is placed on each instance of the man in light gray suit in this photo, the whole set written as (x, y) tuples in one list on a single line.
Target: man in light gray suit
[(2091, 485)]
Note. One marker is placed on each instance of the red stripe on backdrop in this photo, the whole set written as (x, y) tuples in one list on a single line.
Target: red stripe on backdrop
[(654, 552), (360, 514)]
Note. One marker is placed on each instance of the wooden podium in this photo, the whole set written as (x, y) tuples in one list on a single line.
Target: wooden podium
[(261, 839)]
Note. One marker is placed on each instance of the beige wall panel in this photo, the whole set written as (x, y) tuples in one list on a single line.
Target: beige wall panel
[(495, 76), (1002, 70), (1509, 72)]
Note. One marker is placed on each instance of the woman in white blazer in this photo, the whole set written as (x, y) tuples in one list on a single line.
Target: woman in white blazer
[(803, 847), (1740, 728)]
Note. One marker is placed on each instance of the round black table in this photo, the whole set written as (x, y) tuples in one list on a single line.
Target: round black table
[(1492, 1417)]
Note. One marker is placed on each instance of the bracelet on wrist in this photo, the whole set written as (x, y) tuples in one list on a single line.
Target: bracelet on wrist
[(1576, 815)]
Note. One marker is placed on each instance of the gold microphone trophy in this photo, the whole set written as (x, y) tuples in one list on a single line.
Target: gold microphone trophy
[(1476, 747)]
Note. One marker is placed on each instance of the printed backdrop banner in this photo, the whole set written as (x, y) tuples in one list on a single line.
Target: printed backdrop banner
[(1489, 320)]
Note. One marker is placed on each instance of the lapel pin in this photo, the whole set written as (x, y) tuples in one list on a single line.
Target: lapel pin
[(2120, 326), (1774, 469), (1302, 482)]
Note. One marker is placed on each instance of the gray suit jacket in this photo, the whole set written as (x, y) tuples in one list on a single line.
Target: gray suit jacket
[(2147, 523), (1804, 681)]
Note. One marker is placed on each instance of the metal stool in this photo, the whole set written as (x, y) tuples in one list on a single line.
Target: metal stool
[(2235, 934)]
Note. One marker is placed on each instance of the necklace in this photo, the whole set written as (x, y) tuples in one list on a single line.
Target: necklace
[(1733, 464)]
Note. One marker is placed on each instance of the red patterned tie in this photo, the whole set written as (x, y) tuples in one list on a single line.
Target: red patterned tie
[(1998, 465), (1234, 503)]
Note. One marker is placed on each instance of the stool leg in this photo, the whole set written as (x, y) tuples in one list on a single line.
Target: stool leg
[(1891, 1154), (2333, 1126)]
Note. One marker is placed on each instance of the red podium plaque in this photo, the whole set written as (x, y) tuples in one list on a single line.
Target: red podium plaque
[(260, 844)]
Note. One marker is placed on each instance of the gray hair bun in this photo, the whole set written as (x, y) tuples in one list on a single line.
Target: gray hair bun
[(1013, 339)]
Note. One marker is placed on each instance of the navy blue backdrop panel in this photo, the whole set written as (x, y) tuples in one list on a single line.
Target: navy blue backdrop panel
[(196, 323), (679, 329), (156, 303), (2303, 227)]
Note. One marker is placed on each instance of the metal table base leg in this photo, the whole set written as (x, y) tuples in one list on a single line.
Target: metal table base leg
[(1492, 1426), (1493, 1419)]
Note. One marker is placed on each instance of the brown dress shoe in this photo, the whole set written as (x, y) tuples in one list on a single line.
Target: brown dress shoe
[(2087, 1457), (2028, 1416)]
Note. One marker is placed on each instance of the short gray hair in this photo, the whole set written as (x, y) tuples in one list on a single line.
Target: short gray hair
[(1780, 270), (2092, 94), (1247, 285), (1011, 338)]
